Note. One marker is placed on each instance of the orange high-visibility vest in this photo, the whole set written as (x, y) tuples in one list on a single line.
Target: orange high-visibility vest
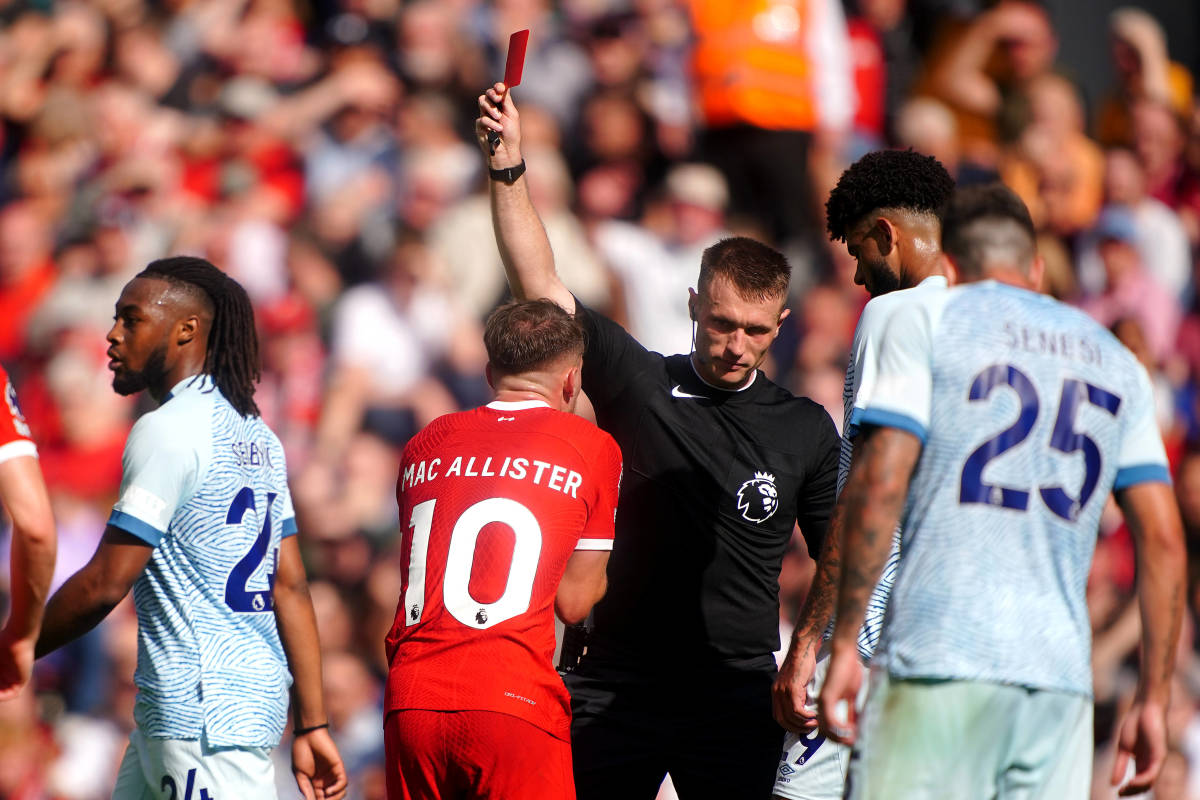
[(751, 65)]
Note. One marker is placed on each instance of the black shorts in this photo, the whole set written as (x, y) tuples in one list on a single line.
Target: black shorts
[(709, 726)]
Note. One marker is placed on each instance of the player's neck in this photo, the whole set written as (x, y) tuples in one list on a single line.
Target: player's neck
[(510, 390), (520, 396), (1011, 277), (706, 376), (923, 269), (182, 370)]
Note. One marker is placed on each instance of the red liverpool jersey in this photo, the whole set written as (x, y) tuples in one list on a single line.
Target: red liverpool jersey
[(493, 502), (14, 433)]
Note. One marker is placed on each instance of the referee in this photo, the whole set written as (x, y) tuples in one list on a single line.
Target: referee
[(720, 464)]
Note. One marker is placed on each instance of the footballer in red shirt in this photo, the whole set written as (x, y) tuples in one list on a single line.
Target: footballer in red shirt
[(507, 517), (23, 494)]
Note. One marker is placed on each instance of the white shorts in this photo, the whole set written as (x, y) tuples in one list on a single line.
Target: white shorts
[(813, 767), (189, 769), (935, 739)]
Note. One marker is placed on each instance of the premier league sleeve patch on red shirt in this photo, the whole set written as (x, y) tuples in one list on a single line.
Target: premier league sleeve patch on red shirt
[(14, 410)]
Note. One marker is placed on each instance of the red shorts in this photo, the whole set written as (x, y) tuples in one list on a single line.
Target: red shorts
[(433, 755)]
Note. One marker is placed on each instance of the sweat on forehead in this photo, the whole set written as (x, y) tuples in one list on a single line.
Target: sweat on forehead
[(171, 296)]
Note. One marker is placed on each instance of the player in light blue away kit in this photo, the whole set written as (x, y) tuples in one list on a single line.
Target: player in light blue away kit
[(998, 423), (203, 532), (886, 209)]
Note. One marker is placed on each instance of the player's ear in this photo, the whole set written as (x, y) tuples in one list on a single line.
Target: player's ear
[(187, 329), (692, 298), (949, 269), (885, 233), (573, 384), (1037, 273), (487, 373)]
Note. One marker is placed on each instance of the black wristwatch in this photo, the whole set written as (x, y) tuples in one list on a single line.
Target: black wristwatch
[(509, 174)]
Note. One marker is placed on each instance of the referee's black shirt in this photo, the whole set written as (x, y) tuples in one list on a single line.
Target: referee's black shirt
[(713, 482)]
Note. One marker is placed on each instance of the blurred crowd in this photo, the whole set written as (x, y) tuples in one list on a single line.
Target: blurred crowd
[(322, 153)]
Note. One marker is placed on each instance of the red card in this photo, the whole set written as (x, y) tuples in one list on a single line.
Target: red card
[(516, 58)]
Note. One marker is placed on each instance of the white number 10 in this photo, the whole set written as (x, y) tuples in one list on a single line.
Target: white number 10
[(456, 594)]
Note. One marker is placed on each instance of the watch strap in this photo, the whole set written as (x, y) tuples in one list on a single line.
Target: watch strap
[(508, 174)]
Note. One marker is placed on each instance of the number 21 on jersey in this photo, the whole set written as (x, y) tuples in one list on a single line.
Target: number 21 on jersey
[(456, 595), (238, 594)]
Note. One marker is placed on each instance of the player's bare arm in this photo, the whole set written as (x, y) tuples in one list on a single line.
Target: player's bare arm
[(582, 585), (520, 236), (90, 594), (23, 494), (1153, 519), (874, 498), (315, 760), (789, 694)]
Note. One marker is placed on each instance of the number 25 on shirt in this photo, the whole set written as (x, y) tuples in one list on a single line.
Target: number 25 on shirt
[(1064, 438)]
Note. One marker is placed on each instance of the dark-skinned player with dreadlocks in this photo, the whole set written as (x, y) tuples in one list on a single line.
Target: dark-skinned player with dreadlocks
[(203, 532)]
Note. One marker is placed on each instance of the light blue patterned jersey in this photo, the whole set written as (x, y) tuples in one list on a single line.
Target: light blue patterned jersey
[(208, 488), (860, 378), (1030, 413)]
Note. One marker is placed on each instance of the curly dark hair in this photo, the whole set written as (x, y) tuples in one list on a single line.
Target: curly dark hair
[(901, 179)]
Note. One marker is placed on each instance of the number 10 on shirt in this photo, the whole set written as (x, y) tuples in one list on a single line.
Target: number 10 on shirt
[(456, 595)]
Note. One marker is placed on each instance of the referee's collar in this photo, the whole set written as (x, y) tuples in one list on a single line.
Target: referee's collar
[(699, 377)]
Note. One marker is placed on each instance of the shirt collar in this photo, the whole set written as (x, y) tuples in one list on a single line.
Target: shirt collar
[(742, 388), (201, 382), (517, 405)]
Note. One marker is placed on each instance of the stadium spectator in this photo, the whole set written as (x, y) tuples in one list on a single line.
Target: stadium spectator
[(983, 69), (85, 425), (1129, 333), (290, 392), (654, 264), (27, 272), (1187, 492), (1129, 288), (886, 26), (929, 127), (1144, 72), (26, 749), (354, 698), (773, 82), (1055, 168), (615, 143), (1159, 136), (387, 336), (469, 267), (1156, 232)]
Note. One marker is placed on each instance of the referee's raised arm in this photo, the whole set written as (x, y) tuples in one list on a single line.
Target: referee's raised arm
[(524, 246)]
